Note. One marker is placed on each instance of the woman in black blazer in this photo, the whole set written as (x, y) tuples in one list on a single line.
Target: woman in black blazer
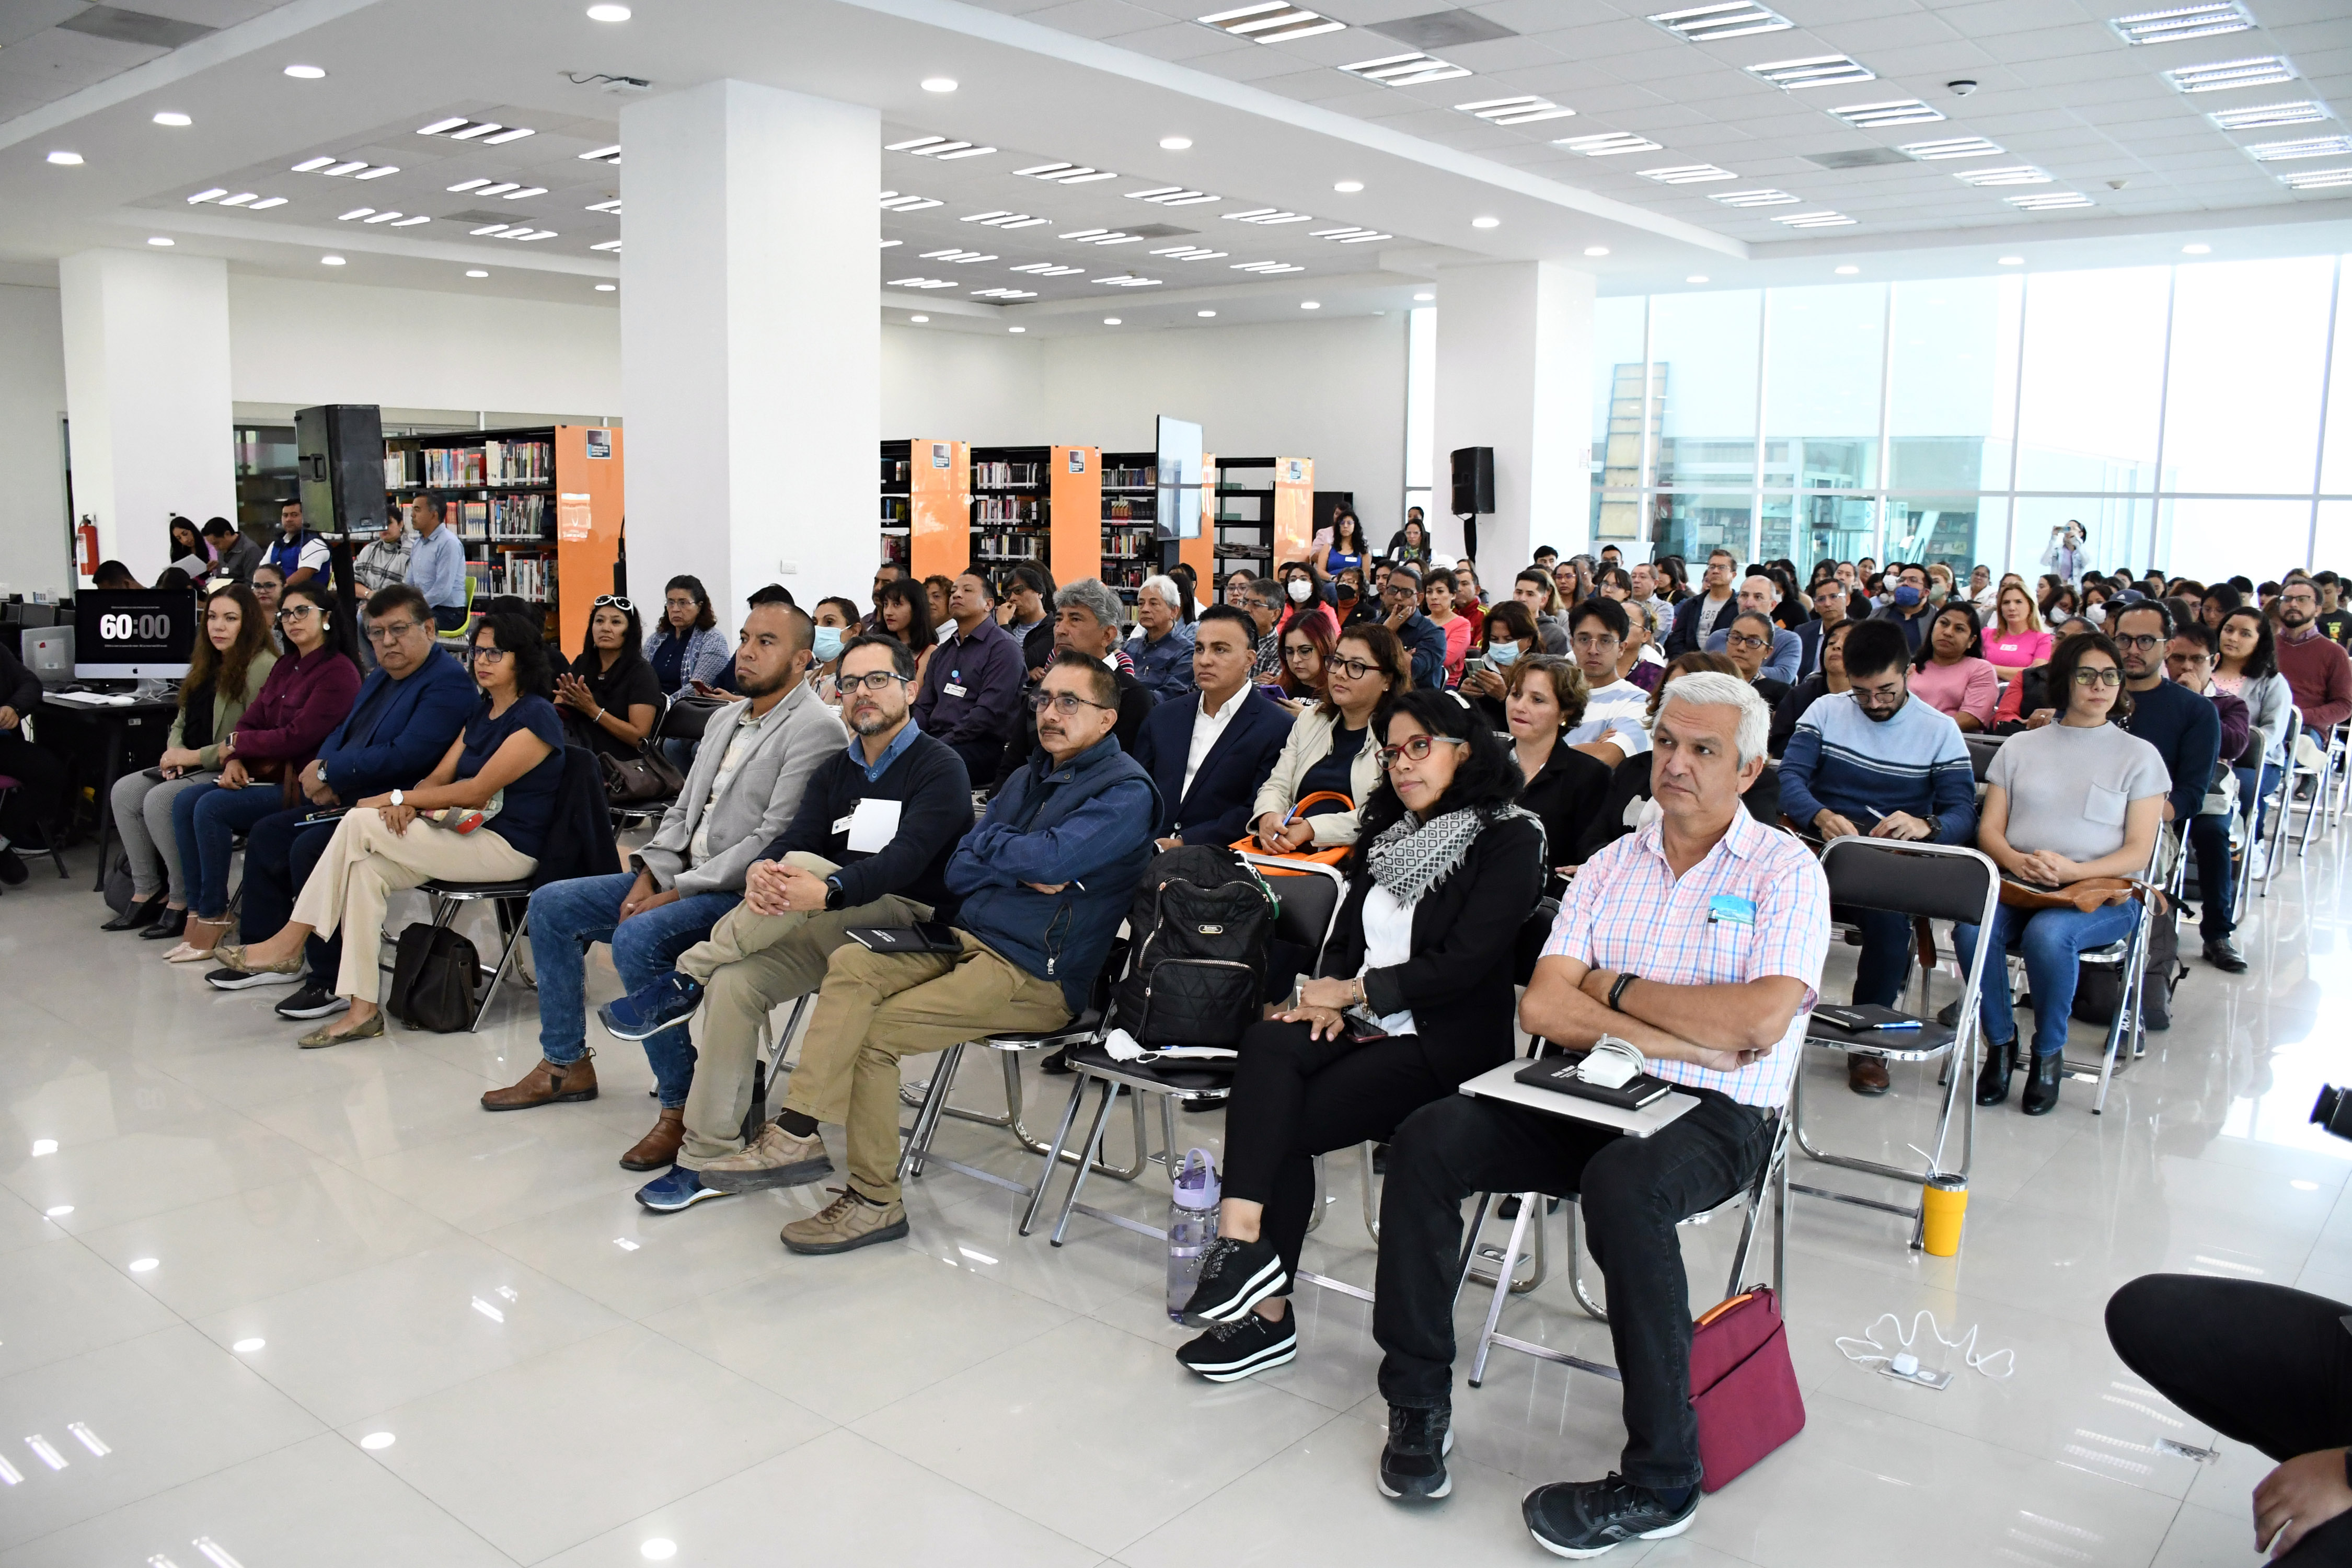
[(1414, 995)]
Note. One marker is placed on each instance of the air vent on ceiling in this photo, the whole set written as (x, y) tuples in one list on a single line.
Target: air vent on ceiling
[(1442, 29), (1856, 158), (122, 26)]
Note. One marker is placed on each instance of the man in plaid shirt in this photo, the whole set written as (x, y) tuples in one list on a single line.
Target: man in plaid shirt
[(385, 562), (1700, 938)]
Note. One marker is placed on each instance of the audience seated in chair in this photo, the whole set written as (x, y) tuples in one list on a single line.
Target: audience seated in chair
[(1630, 806), (904, 801), (1830, 600), (2188, 729), (1209, 752), (610, 697), (2247, 668), (1085, 621), (409, 709), (1747, 644), (1612, 728), (1699, 938), (750, 775), (1422, 638), (1784, 662), (1875, 759), (510, 754), (1161, 648), (1830, 677), (970, 691), (1947, 674), (1333, 748), (2317, 670), (1043, 881), (1414, 995)]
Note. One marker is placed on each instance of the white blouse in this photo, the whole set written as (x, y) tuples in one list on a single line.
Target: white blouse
[(1388, 942)]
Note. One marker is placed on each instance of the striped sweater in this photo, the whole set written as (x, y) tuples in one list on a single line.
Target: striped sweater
[(1864, 770)]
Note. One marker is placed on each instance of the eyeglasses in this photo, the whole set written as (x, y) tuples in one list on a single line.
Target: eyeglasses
[(296, 612), (878, 680), (1300, 653), (1353, 668), (391, 631), (488, 655), (1417, 749), (1065, 703), (1745, 640), (2142, 641), (614, 600), (2089, 677)]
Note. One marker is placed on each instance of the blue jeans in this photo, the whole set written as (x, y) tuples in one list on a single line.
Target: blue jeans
[(1885, 959), (2251, 790), (566, 917), (2052, 940), (206, 821)]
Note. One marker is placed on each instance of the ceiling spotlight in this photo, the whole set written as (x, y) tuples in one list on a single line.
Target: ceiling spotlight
[(608, 13), (331, 261), (1424, 299), (2011, 260), (1310, 304), (158, 239), (919, 318), (1016, 329), (1204, 314), (1111, 320), (173, 117), (65, 159), (476, 272), (306, 73), (1696, 278), (1596, 251), (1484, 222), (939, 84), (1348, 187), (1847, 271), (606, 288), (1174, 144), (2196, 251)]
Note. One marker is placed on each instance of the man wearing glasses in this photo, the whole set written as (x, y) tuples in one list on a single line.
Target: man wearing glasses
[(1758, 594), (1423, 640), (868, 846), (2186, 727), (2317, 671), (1262, 601), (409, 709)]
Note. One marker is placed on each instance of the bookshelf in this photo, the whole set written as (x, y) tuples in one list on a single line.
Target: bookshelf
[(1012, 507), (1265, 512), (535, 508), (1130, 540)]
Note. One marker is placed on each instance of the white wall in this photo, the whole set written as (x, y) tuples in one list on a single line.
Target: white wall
[(305, 343), (32, 540)]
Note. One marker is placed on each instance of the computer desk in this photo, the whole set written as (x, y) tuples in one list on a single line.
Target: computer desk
[(115, 726)]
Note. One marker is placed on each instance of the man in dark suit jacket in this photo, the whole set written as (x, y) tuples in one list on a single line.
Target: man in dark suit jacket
[(1706, 612), (1210, 754)]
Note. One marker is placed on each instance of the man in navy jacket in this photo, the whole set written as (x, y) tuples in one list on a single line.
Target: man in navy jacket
[(1209, 755), (971, 693), (410, 709)]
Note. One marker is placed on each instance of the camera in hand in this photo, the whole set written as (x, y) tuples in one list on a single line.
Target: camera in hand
[(2333, 1111)]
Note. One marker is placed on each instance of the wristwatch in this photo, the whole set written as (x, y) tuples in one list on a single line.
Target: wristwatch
[(399, 799), (1617, 988), (832, 893)]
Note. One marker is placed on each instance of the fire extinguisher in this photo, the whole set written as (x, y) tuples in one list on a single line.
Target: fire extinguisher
[(87, 536)]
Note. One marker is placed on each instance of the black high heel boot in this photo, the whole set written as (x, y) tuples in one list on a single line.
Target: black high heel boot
[(139, 913), (168, 926), (1993, 1080), (2041, 1086)]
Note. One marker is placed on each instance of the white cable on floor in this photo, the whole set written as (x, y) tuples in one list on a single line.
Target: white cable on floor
[(1963, 1344)]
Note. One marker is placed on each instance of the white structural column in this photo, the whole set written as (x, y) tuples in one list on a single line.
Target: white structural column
[(147, 396), (751, 350), (1514, 373)]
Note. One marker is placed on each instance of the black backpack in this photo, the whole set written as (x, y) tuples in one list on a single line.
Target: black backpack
[(435, 974), (1202, 926)]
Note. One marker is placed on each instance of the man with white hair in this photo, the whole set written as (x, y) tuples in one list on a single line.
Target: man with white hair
[(1161, 648), (1699, 938)]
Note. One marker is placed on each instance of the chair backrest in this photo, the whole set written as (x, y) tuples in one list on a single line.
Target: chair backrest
[(580, 838), (1311, 901), (1982, 750), (1939, 881)]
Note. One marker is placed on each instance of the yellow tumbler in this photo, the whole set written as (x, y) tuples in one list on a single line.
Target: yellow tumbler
[(1944, 1201)]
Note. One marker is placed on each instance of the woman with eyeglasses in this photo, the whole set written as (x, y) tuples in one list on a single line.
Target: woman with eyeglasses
[(1332, 746), (482, 814), (307, 693), (1748, 644), (267, 582), (233, 658), (1947, 674), (1414, 995), (686, 649), (2081, 797), (612, 696), (2031, 700), (1307, 651)]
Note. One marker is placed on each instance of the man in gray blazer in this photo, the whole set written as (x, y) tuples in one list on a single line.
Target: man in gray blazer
[(749, 771)]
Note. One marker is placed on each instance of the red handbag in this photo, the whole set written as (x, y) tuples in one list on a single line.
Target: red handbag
[(1743, 1386)]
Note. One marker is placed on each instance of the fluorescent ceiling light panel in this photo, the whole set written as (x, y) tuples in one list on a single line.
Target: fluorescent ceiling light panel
[(386, 217), (1954, 147), (378, 173), (940, 147), (355, 212), (2317, 179), (1896, 111), (1268, 215), (476, 183), (613, 206), (1046, 269), (1191, 253), (920, 283), (603, 155), (1405, 71), (1813, 70), (475, 130), (2301, 112), (349, 166), (1757, 198), (541, 234), (213, 194), (2049, 200), (1005, 293), (1351, 236), (268, 202), (1270, 22), (1608, 142), (2014, 175), (999, 218), (2258, 70), (900, 202), (1815, 220), (512, 133), (501, 188), (438, 126), (239, 199), (1172, 197), (954, 254), (607, 244), (1067, 174), (311, 165), (488, 229), (1267, 268), (2310, 147), (1727, 19), (888, 243), (2182, 22), (404, 223), (1128, 280), (1524, 110), (1688, 174), (526, 191)]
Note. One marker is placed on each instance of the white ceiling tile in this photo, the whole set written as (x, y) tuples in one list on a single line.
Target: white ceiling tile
[(20, 20), (1863, 38), (1174, 41), (1099, 18), (1924, 67)]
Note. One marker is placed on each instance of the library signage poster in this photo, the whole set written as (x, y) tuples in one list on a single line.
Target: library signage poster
[(573, 521), (938, 454), (1077, 461), (599, 444)]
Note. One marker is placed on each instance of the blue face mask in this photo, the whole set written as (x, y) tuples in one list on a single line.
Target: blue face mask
[(1504, 653), (1906, 595), (828, 643)]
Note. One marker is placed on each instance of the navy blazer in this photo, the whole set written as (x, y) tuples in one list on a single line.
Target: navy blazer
[(1216, 810), (408, 739)]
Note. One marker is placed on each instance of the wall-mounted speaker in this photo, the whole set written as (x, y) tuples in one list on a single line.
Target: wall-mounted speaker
[(1473, 480)]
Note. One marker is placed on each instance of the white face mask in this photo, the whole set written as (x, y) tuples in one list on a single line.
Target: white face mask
[(1504, 654), (1301, 590)]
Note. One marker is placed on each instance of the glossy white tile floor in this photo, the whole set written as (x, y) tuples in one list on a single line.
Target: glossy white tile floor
[(235, 1265)]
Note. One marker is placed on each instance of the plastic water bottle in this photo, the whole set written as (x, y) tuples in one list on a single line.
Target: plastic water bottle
[(1192, 1225)]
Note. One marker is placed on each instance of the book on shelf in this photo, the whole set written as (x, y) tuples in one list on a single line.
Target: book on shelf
[(1126, 509), (1006, 476), (493, 463), (894, 473), (1008, 509), (1131, 479), (897, 511), (1129, 544), (1011, 547)]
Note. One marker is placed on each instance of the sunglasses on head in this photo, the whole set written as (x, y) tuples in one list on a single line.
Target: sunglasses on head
[(614, 600)]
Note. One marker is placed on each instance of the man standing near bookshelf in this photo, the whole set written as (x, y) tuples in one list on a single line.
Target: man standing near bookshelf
[(971, 688), (297, 553), (436, 566)]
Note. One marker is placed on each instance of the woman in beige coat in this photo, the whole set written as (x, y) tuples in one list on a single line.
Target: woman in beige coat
[(1333, 746)]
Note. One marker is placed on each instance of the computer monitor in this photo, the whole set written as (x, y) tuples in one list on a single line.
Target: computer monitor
[(129, 633), (1180, 459)]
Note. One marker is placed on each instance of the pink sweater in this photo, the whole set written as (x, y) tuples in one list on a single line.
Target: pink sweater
[(1969, 686)]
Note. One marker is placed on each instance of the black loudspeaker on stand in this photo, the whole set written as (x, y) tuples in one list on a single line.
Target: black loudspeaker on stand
[(339, 462), (1473, 491)]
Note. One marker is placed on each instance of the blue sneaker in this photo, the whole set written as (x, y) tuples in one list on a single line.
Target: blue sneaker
[(676, 1188), (651, 1007)]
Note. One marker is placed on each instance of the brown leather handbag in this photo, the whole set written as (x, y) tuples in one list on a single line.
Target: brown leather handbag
[(2090, 893)]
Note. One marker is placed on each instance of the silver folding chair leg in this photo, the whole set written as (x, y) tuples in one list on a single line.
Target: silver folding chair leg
[(1371, 1196), (1085, 1160)]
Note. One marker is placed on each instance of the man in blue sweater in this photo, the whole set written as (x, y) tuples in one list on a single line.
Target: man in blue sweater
[(1871, 761), (410, 708), (1043, 882)]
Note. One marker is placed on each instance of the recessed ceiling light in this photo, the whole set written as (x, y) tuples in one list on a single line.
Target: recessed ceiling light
[(158, 239), (239, 199), (613, 206), (43, 1146), (331, 261), (608, 13), (919, 318), (1895, 111), (1268, 215), (1953, 147), (378, 1440), (1351, 236), (65, 159), (1764, 197), (1267, 269), (1688, 174), (1174, 144), (526, 191), (1204, 314), (438, 126), (1348, 187), (2014, 175), (1271, 22), (1172, 197), (939, 84), (1608, 142), (1596, 251), (265, 202), (378, 173), (945, 148), (2316, 179), (2011, 260), (58, 1211), (246, 1347), (1424, 299), (1734, 19), (658, 1550), (2050, 200), (900, 202), (1067, 174), (2182, 23), (1813, 70), (2310, 147), (602, 154), (355, 212), (1820, 219), (2196, 251), (1111, 320), (1524, 110), (348, 166), (1486, 222), (613, 245), (1016, 329), (511, 133), (2300, 112), (2257, 70), (312, 165), (173, 117), (305, 73), (1406, 70), (1847, 271), (1310, 304), (1696, 278), (476, 272), (606, 288)]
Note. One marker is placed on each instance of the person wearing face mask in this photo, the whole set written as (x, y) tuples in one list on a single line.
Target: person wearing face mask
[(836, 623), (1907, 605), (1511, 636), (1301, 597)]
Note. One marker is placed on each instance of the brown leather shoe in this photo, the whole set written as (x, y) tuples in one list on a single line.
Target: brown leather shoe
[(1865, 1075), (847, 1222), (549, 1083), (658, 1150)]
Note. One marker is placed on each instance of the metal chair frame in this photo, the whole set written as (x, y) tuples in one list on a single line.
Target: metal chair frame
[(2129, 955), (1965, 1040), (514, 922), (2273, 838)]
